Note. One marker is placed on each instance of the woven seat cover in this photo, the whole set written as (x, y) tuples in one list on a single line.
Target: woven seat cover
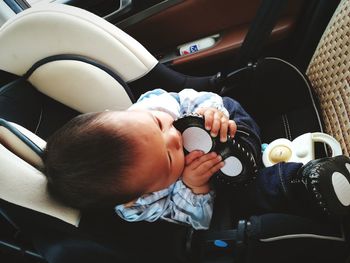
[(329, 74)]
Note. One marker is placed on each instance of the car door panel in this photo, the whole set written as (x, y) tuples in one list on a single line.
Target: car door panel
[(230, 42), (190, 20), (163, 26)]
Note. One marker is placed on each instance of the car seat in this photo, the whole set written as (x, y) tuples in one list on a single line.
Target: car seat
[(57, 61)]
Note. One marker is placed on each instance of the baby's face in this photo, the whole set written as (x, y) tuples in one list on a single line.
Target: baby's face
[(160, 160)]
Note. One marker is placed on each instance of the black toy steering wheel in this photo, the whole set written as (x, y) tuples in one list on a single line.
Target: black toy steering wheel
[(240, 164)]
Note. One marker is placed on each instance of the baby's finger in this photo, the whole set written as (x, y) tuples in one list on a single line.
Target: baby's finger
[(232, 127), (209, 173), (208, 165), (206, 157), (193, 156), (216, 124), (208, 118), (223, 129)]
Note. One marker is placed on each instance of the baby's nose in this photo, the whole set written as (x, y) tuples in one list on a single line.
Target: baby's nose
[(175, 138)]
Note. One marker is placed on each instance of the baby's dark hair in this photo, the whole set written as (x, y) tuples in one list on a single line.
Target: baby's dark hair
[(86, 162)]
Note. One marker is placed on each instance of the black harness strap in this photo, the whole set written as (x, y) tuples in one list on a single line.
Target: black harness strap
[(260, 30)]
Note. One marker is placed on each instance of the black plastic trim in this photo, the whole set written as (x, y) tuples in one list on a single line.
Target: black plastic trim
[(22, 137), (141, 11), (23, 4), (85, 60), (7, 77), (161, 76), (9, 86), (18, 249), (14, 6)]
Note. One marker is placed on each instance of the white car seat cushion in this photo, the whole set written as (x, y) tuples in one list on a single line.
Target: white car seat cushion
[(53, 29), (23, 184), (89, 89)]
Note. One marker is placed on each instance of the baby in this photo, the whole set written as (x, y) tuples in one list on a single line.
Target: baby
[(134, 161)]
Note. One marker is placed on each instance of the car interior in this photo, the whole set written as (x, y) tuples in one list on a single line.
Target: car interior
[(285, 61)]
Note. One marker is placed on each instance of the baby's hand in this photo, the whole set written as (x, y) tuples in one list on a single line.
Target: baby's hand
[(216, 121), (199, 168)]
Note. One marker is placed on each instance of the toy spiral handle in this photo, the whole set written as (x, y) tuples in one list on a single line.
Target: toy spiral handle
[(332, 142)]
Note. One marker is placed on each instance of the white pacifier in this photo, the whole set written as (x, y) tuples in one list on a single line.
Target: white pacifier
[(301, 149)]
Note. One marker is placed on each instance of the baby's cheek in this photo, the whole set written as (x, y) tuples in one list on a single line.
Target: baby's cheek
[(181, 164)]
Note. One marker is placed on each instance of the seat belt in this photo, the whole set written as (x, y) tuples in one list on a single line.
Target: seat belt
[(254, 41), (259, 31)]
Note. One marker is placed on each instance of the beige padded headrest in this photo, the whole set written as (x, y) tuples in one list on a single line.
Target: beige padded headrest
[(15, 145), (329, 73), (48, 30), (80, 86), (23, 184), (55, 29)]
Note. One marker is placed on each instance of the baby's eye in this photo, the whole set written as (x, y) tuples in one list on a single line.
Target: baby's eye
[(169, 156), (159, 124)]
